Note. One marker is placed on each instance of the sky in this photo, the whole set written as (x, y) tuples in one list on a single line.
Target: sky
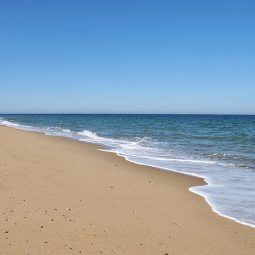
[(127, 56)]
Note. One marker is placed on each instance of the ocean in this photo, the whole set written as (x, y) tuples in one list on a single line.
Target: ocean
[(218, 148)]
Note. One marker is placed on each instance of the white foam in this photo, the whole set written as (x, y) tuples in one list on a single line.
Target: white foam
[(15, 125), (8, 123), (89, 134), (178, 160), (66, 130)]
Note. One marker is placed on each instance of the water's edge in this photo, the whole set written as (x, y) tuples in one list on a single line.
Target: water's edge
[(101, 148)]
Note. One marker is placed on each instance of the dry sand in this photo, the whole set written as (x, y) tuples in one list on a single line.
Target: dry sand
[(59, 196)]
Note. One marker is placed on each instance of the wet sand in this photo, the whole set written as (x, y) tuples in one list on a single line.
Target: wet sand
[(59, 196)]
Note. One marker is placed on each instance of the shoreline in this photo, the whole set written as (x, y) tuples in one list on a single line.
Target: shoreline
[(167, 190), (100, 147)]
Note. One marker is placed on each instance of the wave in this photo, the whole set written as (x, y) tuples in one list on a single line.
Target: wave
[(89, 134), (8, 123), (16, 125), (66, 130), (179, 160)]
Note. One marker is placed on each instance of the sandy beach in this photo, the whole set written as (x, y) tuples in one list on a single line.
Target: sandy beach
[(59, 196)]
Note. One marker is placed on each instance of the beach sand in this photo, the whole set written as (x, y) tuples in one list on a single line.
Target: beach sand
[(59, 196)]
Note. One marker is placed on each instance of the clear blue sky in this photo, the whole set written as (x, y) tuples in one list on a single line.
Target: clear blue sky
[(129, 56)]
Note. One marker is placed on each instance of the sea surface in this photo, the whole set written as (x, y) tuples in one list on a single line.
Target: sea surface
[(219, 148)]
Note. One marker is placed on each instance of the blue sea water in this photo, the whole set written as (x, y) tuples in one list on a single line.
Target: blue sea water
[(219, 148)]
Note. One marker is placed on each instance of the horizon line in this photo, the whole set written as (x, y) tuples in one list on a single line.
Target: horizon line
[(100, 113)]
